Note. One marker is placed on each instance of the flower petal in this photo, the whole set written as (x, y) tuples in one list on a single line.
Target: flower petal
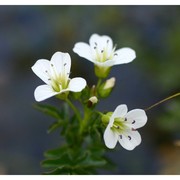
[(110, 137), (94, 38), (124, 55), (120, 111), (40, 68), (137, 118), (130, 140), (44, 92), (61, 63), (101, 43), (77, 84), (83, 50)]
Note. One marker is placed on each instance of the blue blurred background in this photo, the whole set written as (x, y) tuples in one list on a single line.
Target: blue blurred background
[(29, 33)]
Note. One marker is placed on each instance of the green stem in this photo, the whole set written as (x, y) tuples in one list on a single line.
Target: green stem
[(170, 97), (85, 119), (74, 109), (99, 82), (98, 85)]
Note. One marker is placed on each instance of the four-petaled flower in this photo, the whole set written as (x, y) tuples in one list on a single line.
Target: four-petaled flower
[(122, 127), (101, 52), (55, 73)]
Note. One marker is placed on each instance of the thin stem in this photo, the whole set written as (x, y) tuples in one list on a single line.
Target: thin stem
[(87, 112), (99, 82), (98, 85), (166, 99), (74, 109)]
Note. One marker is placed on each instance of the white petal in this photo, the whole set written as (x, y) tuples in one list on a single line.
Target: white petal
[(137, 118), (101, 42), (83, 50), (77, 84), (44, 92), (110, 137), (95, 38), (61, 63), (40, 68), (120, 111), (130, 140), (124, 55)]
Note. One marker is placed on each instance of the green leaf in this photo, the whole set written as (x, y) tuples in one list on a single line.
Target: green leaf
[(56, 153), (55, 125), (63, 161), (90, 161), (59, 171), (49, 110)]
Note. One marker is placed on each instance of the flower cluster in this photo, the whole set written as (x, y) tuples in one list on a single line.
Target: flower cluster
[(120, 126)]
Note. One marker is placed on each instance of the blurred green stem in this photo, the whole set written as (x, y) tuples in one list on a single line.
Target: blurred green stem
[(87, 113), (99, 82), (74, 109)]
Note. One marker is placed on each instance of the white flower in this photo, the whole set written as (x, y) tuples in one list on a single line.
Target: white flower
[(55, 73), (122, 127), (101, 52)]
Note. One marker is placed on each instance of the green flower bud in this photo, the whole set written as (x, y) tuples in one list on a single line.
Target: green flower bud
[(106, 117), (106, 88)]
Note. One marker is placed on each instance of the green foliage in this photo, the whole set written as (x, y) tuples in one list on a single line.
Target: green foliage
[(74, 161), (76, 156), (49, 110), (83, 151), (60, 116)]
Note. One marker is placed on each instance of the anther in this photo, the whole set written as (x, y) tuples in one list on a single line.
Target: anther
[(95, 47), (107, 40), (115, 54), (120, 136), (125, 119), (129, 137), (65, 64), (49, 79), (133, 129), (46, 71), (102, 51), (52, 65), (95, 43), (133, 122), (117, 127)]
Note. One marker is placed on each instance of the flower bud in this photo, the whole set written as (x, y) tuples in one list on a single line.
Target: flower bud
[(92, 101), (106, 117), (106, 88), (109, 84)]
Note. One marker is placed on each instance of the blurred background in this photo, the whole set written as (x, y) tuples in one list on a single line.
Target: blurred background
[(29, 33)]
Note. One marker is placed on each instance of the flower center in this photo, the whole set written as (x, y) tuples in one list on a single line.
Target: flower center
[(119, 125), (58, 81), (103, 54)]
